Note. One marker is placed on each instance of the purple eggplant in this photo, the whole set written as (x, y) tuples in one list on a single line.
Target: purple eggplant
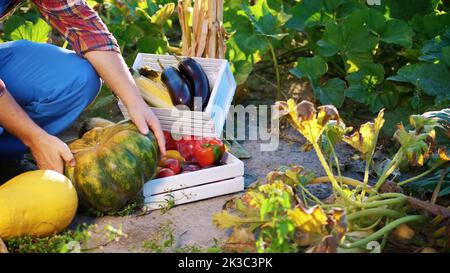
[(197, 79), (179, 89)]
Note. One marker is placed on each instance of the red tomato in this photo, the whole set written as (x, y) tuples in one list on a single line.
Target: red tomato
[(173, 164), (164, 172), (208, 151), (186, 149), (170, 142)]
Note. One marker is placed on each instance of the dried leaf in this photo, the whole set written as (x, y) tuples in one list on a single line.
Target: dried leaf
[(225, 220), (329, 244), (366, 138), (417, 147), (241, 240), (306, 119)]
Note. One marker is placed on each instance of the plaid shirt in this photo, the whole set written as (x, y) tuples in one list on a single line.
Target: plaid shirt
[(80, 25)]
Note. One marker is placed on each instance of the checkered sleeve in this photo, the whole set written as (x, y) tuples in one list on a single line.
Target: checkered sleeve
[(80, 25)]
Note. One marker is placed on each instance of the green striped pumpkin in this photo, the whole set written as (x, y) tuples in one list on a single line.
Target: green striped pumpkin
[(112, 165)]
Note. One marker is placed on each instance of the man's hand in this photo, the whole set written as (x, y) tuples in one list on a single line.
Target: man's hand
[(143, 117), (51, 153)]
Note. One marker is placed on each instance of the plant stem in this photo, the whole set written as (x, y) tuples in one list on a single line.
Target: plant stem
[(366, 178), (277, 70), (374, 211), (409, 180), (372, 226), (381, 232), (437, 189), (389, 169), (336, 160), (345, 180), (384, 195), (342, 193), (312, 195)]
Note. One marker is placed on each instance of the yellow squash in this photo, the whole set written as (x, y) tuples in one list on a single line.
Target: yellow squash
[(38, 203)]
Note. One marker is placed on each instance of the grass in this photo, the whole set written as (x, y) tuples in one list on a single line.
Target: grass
[(69, 241)]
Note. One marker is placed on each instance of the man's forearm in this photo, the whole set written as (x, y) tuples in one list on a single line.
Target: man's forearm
[(16, 121), (112, 69)]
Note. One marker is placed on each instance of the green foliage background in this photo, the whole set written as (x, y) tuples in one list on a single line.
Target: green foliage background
[(355, 55)]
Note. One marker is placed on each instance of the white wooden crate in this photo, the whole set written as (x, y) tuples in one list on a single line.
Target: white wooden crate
[(193, 186), (207, 123)]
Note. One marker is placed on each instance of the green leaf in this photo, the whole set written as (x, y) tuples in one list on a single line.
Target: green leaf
[(349, 38), (406, 9), (131, 34), (371, 18), (437, 49), (433, 79), (332, 92), (397, 32), (364, 86), (312, 13), (149, 44), (163, 14), (34, 32), (266, 21), (415, 146), (311, 68), (431, 25), (12, 23), (244, 35)]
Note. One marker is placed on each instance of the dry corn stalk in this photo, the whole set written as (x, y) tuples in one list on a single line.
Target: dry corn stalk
[(203, 34)]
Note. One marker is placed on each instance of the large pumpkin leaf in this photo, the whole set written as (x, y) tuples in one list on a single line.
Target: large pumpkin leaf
[(332, 92), (397, 32), (431, 25), (368, 87), (389, 31), (349, 38), (312, 13), (34, 32), (433, 79), (406, 9), (266, 21), (310, 68), (437, 49)]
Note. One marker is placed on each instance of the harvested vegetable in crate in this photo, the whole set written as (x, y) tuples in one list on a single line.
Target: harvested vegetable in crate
[(197, 79), (179, 88), (153, 91)]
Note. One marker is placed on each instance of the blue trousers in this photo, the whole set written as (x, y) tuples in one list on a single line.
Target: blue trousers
[(53, 85)]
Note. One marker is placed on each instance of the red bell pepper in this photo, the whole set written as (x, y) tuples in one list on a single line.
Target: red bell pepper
[(208, 151)]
